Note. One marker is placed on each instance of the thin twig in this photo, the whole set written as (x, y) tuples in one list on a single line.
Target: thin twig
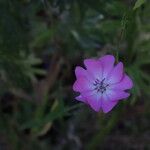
[(42, 87)]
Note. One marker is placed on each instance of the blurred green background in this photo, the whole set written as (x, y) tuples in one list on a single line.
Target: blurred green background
[(41, 42)]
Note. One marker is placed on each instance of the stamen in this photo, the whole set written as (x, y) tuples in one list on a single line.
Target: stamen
[(100, 86)]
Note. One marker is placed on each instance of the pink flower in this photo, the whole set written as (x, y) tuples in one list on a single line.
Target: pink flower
[(101, 85)]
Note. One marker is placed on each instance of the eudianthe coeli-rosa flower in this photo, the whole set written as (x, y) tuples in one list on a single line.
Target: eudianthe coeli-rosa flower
[(102, 84)]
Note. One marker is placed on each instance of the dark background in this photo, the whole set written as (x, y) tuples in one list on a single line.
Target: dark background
[(41, 43)]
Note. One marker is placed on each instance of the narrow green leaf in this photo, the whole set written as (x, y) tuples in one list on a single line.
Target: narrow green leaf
[(138, 4)]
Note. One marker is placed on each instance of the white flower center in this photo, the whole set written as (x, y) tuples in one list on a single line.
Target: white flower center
[(100, 86)]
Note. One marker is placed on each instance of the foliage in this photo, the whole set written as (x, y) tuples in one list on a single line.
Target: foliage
[(40, 43), (138, 3)]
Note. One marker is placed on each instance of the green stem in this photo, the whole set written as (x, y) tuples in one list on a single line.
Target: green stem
[(97, 140), (39, 114)]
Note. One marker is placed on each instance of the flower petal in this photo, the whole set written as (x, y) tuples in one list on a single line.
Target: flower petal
[(115, 95), (107, 104), (107, 62), (81, 72), (93, 99), (81, 98), (94, 67), (116, 74), (82, 84), (124, 84)]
